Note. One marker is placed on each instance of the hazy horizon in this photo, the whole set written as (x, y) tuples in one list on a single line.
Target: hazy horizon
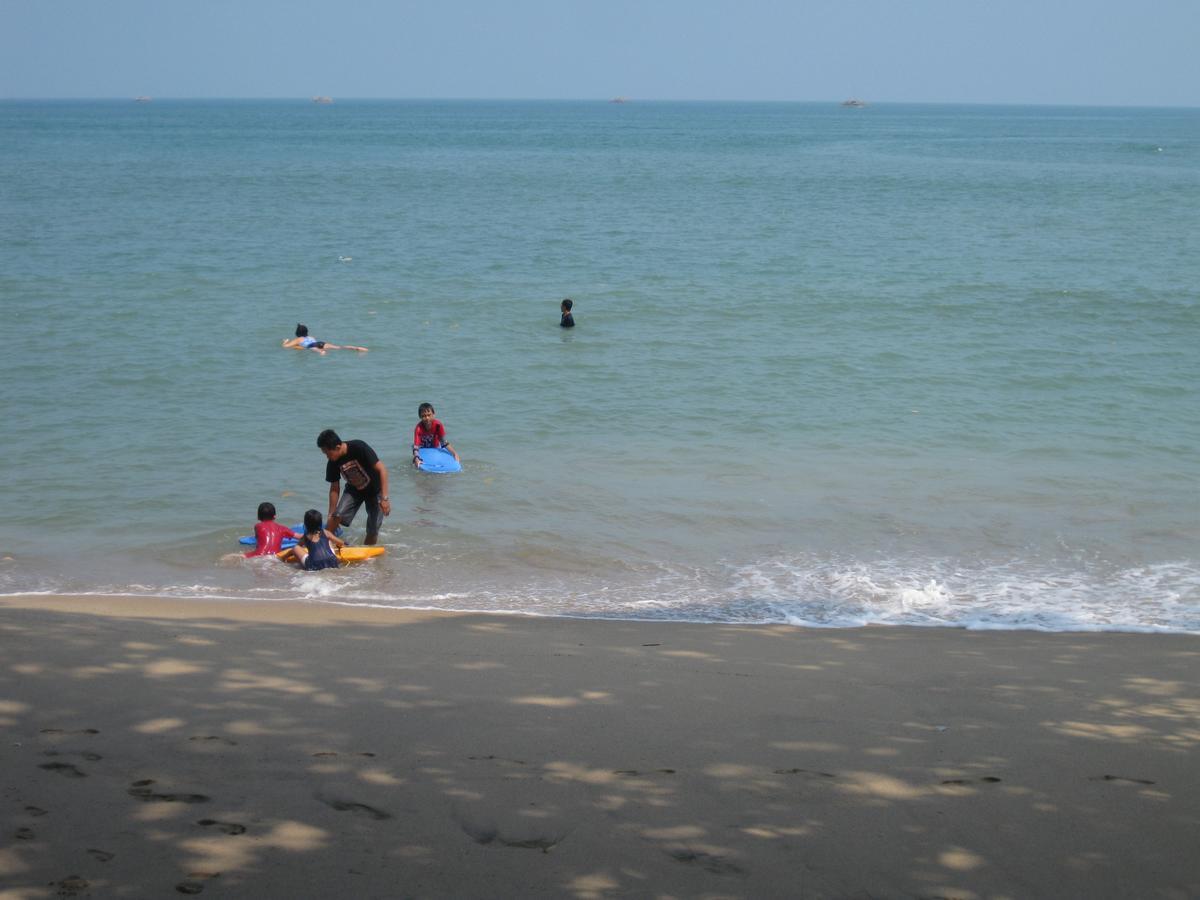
[(1069, 53), (698, 100)]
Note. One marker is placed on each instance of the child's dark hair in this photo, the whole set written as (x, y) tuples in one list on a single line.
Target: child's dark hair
[(423, 407), (301, 330), (328, 439), (567, 304), (266, 511), (312, 521)]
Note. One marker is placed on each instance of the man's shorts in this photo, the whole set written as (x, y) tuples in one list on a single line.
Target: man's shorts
[(348, 505)]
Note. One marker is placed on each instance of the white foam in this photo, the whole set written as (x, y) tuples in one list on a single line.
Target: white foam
[(1013, 594), (808, 590)]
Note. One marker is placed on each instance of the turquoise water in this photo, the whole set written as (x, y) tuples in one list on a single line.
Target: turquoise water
[(911, 364)]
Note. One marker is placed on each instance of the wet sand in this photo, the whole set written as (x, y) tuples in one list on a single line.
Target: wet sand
[(154, 747)]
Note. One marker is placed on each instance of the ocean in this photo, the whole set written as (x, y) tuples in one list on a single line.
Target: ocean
[(919, 365)]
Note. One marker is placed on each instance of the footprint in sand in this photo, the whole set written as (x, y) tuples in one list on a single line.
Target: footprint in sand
[(24, 834), (710, 863), (324, 753), (141, 790), (489, 834), (986, 779), (226, 827), (64, 731), (1121, 778), (811, 772), (480, 834), (213, 738), (90, 757), (195, 882), (543, 844), (633, 773), (71, 885), (101, 855), (65, 769), (35, 810), (354, 807)]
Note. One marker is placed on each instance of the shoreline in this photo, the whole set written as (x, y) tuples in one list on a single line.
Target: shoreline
[(287, 749), (302, 610)]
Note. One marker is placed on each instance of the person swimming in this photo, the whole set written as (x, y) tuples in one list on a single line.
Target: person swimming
[(302, 341)]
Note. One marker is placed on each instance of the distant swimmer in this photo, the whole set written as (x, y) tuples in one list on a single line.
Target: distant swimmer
[(303, 342), (567, 320), (345, 258)]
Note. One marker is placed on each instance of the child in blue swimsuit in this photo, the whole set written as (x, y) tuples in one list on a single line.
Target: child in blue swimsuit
[(315, 550)]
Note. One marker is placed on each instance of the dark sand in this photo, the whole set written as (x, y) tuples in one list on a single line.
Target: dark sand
[(155, 747)]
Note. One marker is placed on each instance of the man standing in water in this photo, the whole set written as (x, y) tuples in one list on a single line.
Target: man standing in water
[(366, 482)]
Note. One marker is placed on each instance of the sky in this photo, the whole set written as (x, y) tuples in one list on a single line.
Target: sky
[(1085, 52)]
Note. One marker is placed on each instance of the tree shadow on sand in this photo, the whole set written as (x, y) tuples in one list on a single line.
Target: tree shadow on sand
[(477, 756)]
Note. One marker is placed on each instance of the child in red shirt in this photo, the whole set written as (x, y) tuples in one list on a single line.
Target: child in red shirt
[(429, 433), (269, 534)]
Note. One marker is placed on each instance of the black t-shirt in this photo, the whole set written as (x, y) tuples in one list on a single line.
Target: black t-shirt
[(568, 321), (358, 468)]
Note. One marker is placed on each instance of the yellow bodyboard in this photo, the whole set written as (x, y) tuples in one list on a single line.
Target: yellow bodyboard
[(344, 554)]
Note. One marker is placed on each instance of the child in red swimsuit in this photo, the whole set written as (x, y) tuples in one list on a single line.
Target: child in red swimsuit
[(429, 433), (269, 534)]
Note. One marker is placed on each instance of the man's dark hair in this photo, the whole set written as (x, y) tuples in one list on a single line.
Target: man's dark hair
[(328, 439), (266, 511), (425, 406), (567, 304), (301, 330)]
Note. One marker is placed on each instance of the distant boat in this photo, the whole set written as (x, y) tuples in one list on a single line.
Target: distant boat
[(619, 100), (322, 99), (855, 103), (142, 99)]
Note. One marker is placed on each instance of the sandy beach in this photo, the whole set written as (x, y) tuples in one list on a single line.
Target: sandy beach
[(154, 747)]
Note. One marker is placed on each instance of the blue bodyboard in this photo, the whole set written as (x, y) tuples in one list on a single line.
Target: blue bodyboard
[(249, 540), (435, 459)]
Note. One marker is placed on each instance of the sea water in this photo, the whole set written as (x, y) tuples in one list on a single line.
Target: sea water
[(902, 365)]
